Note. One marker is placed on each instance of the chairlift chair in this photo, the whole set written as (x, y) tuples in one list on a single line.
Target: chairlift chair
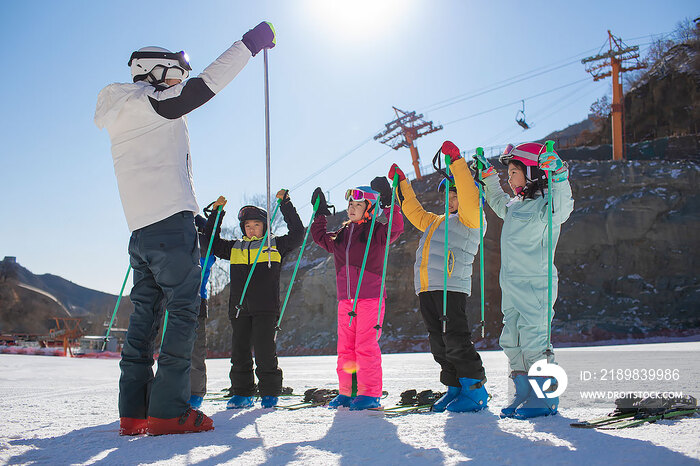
[(520, 118)]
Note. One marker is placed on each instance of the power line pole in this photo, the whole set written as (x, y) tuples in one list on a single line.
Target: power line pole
[(411, 127), (613, 63)]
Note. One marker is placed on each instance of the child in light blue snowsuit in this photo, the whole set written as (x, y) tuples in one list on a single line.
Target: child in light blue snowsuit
[(524, 257)]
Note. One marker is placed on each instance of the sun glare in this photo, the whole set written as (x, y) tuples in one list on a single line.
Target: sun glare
[(357, 19)]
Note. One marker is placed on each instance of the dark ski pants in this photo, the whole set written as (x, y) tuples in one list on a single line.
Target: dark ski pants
[(165, 259), (198, 373), (257, 333), (453, 350)]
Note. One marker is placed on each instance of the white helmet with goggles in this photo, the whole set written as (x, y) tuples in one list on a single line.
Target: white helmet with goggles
[(156, 64)]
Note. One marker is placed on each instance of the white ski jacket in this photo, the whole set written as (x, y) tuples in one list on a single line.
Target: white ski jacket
[(150, 142)]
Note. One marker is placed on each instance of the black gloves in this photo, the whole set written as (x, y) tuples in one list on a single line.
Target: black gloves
[(323, 207), (382, 186)]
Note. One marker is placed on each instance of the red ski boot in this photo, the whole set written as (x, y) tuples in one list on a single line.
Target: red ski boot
[(190, 421), (132, 426)]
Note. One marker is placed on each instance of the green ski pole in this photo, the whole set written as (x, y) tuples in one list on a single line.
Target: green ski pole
[(394, 185), (480, 151), (447, 249), (211, 242), (165, 326), (550, 257), (201, 279), (255, 263), (116, 306), (296, 267), (364, 262)]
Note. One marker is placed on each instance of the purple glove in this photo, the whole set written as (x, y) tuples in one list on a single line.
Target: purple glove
[(260, 37)]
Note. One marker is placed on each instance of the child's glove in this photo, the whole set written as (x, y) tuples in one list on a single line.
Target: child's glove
[(382, 186), (395, 169), (221, 201), (322, 204), (448, 148), (550, 161), (260, 37), (283, 194), (481, 164)]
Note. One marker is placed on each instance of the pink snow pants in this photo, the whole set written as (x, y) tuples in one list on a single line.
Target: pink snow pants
[(358, 348)]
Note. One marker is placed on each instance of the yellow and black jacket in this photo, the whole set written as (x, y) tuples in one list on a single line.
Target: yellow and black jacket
[(262, 296)]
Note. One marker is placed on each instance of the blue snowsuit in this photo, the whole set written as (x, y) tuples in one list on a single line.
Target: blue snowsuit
[(523, 275)]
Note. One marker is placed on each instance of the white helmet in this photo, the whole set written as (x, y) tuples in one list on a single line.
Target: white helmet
[(156, 64)]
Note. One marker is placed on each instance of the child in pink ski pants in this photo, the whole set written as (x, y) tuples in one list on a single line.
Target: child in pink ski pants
[(358, 348)]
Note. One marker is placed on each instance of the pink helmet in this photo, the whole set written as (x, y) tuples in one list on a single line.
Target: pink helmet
[(528, 154)]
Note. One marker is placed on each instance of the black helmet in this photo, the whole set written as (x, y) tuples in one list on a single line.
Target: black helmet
[(251, 212)]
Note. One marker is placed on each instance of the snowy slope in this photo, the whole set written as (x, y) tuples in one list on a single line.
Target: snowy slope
[(64, 411)]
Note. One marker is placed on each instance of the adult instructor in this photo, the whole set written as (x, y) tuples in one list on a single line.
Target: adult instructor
[(151, 153)]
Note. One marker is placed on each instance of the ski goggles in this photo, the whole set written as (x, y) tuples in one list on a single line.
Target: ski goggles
[(359, 195), (182, 58)]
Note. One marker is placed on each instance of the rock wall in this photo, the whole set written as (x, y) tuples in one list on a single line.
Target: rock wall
[(626, 260)]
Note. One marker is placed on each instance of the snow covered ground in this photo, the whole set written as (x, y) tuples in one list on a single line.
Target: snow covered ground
[(64, 411)]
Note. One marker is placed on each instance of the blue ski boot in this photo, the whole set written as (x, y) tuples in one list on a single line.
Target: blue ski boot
[(440, 405), (196, 401), (522, 390), (364, 402), (538, 407), (269, 401), (472, 396), (239, 402), (340, 401)]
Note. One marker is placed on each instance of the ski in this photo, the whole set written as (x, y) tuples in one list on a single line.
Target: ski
[(302, 405), (625, 423), (401, 410), (609, 419), (313, 398), (633, 411)]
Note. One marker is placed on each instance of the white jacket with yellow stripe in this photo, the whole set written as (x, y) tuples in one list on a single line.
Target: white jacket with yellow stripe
[(463, 235)]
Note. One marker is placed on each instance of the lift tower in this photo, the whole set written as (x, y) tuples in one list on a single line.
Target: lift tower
[(613, 63), (410, 127)]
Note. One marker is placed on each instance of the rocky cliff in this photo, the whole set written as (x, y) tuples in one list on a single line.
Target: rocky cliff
[(29, 302), (626, 261)]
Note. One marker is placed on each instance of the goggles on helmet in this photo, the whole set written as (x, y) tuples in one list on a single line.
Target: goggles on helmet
[(251, 212), (182, 58), (359, 195)]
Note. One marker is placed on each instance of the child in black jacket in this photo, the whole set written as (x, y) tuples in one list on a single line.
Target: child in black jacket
[(254, 322)]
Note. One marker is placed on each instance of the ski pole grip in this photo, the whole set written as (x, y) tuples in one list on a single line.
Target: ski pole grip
[(479, 165), (550, 146), (317, 203)]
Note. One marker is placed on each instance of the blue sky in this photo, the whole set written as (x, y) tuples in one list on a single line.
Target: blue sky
[(336, 72)]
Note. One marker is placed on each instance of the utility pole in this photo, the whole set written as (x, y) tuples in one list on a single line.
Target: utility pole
[(411, 127), (613, 63)]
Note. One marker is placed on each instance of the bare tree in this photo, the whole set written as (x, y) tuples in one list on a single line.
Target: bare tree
[(685, 31), (600, 109)]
